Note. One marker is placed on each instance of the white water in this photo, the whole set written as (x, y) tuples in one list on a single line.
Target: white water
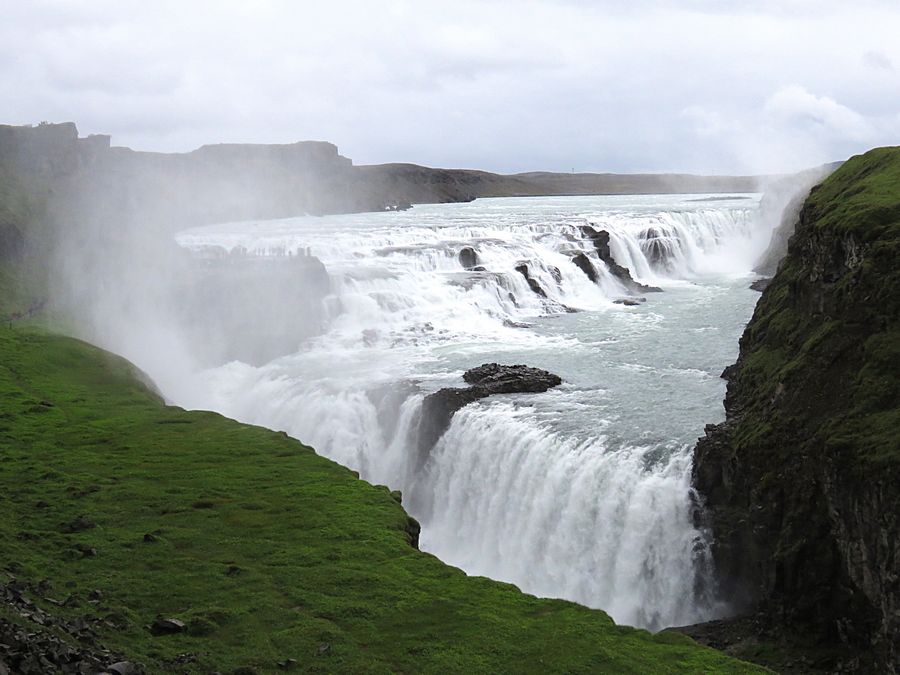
[(582, 492)]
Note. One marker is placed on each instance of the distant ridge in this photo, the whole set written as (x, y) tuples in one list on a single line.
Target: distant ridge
[(221, 182)]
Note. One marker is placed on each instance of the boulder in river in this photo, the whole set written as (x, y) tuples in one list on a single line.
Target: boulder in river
[(485, 380), (468, 258), (499, 379)]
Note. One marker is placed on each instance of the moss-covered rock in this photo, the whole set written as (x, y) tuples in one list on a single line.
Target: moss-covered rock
[(801, 480)]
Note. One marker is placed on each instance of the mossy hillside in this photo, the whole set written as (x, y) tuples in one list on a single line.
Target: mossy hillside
[(861, 197), (267, 550), (821, 356)]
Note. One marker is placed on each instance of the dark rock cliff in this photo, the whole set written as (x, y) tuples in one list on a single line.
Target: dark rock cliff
[(802, 480)]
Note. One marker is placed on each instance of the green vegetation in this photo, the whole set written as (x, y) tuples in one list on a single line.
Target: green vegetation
[(266, 550), (862, 197), (824, 342)]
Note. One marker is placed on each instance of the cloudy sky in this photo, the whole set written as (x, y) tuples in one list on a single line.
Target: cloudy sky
[(633, 85)]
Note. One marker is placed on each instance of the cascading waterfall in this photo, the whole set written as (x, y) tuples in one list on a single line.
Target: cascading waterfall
[(582, 492), (560, 516)]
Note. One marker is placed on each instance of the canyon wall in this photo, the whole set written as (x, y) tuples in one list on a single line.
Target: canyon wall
[(801, 480)]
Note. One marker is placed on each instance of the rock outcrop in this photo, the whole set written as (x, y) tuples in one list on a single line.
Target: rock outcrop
[(760, 284), (582, 262), (468, 258), (600, 239), (34, 641), (533, 284), (485, 380), (802, 480)]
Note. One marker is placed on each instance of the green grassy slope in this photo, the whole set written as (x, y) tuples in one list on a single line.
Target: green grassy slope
[(267, 550)]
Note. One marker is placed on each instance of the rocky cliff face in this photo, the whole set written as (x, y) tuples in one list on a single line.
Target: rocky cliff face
[(801, 480)]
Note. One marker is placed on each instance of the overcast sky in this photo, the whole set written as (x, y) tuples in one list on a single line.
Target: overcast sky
[(635, 85)]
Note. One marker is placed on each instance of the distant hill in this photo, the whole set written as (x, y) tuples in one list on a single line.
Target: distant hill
[(235, 181)]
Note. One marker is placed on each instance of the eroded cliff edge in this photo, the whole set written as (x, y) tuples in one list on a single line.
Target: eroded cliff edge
[(801, 480)]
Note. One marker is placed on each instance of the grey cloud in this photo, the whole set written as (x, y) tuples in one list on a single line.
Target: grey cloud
[(497, 84), (878, 60)]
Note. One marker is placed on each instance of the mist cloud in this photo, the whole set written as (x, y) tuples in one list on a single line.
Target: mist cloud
[(509, 86)]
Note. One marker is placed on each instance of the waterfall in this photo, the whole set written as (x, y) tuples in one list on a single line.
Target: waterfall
[(607, 527), (581, 493)]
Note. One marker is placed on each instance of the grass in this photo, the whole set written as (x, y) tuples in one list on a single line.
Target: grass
[(266, 550), (861, 197)]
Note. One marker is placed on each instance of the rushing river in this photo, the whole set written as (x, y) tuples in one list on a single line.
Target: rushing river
[(582, 492)]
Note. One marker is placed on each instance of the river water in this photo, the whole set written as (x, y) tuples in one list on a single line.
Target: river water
[(582, 492)]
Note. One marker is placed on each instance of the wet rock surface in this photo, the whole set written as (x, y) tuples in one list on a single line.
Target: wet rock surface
[(500, 379), (780, 205), (654, 247), (468, 258), (753, 638), (600, 239), (532, 282), (582, 262), (485, 380), (760, 284)]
